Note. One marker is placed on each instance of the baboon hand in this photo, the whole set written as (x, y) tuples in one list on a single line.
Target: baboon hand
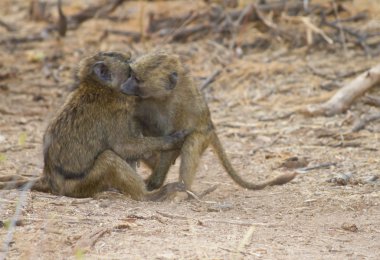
[(175, 139), (174, 187)]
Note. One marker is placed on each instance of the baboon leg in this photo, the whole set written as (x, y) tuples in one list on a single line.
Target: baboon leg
[(11, 178), (161, 169), (109, 171), (191, 153)]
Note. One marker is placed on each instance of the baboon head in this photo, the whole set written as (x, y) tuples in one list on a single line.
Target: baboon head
[(109, 69), (153, 75)]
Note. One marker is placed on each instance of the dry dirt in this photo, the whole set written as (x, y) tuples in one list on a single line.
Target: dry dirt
[(253, 104)]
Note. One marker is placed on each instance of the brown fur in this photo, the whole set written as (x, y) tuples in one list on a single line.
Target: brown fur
[(87, 144), (169, 101)]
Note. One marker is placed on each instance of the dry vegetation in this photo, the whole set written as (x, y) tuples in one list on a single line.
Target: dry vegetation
[(260, 70)]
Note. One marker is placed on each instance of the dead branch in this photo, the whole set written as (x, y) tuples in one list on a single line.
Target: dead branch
[(343, 99), (7, 27), (247, 14), (186, 33), (316, 167), (210, 79), (208, 191), (135, 36), (372, 101), (361, 124), (356, 18), (156, 24), (88, 240), (94, 11), (360, 37), (23, 39), (62, 20)]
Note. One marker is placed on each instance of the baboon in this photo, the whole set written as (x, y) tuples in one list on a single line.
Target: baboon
[(168, 101), (87, 145)]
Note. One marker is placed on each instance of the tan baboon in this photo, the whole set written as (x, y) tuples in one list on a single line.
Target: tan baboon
[(168, 101), (88, 143)]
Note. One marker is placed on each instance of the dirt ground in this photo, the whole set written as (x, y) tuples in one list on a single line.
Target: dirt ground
[(253, 104)]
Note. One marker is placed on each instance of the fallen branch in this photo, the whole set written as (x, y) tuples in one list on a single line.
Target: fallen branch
[(316, 167), (343, 99), (94, 11), (88, 240), (7, 27), (360, 124), (210, 79), (182, 35), (372, 101), (360, 37), (136, 37)]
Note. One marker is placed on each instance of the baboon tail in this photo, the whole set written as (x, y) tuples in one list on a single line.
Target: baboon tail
[(219, 150), (37, 184)]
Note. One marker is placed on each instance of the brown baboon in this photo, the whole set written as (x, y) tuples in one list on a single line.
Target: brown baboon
[(169, 101), (88, 143)]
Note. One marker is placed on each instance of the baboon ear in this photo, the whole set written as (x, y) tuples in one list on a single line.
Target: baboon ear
[(173, 78), (101, 71)]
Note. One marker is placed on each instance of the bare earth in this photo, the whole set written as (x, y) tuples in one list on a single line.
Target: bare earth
[(254, 104)]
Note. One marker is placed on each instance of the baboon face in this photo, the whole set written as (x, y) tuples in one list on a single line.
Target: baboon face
[(110, 69), (152, 76)]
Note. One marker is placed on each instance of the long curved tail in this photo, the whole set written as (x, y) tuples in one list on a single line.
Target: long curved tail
[(38, 184), (219, 150)]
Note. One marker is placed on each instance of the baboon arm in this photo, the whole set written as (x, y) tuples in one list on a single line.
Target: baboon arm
[(137, 148), (160, 169)]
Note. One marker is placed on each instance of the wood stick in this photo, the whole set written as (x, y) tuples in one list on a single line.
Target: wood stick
[(210, 79), (345, 96), (359, 125), (8, 27)]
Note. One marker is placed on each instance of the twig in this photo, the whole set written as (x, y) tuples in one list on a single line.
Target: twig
[(190, 18), (360, 124), (185, 33), (208, 191), (361, 38), (94, 11), (172, 216), (89, 240), (14, 220), (246, 239), (210, 79), (274, 118), (372, 101), (62, 20), (23, 39), (306, 21), (318, 73), (239, 222), (233, 251), (136, 37), (320, 166), (7, 27), (356, 18), (339, 26)]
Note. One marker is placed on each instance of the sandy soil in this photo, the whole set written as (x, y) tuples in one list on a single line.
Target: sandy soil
[(253, 104)]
